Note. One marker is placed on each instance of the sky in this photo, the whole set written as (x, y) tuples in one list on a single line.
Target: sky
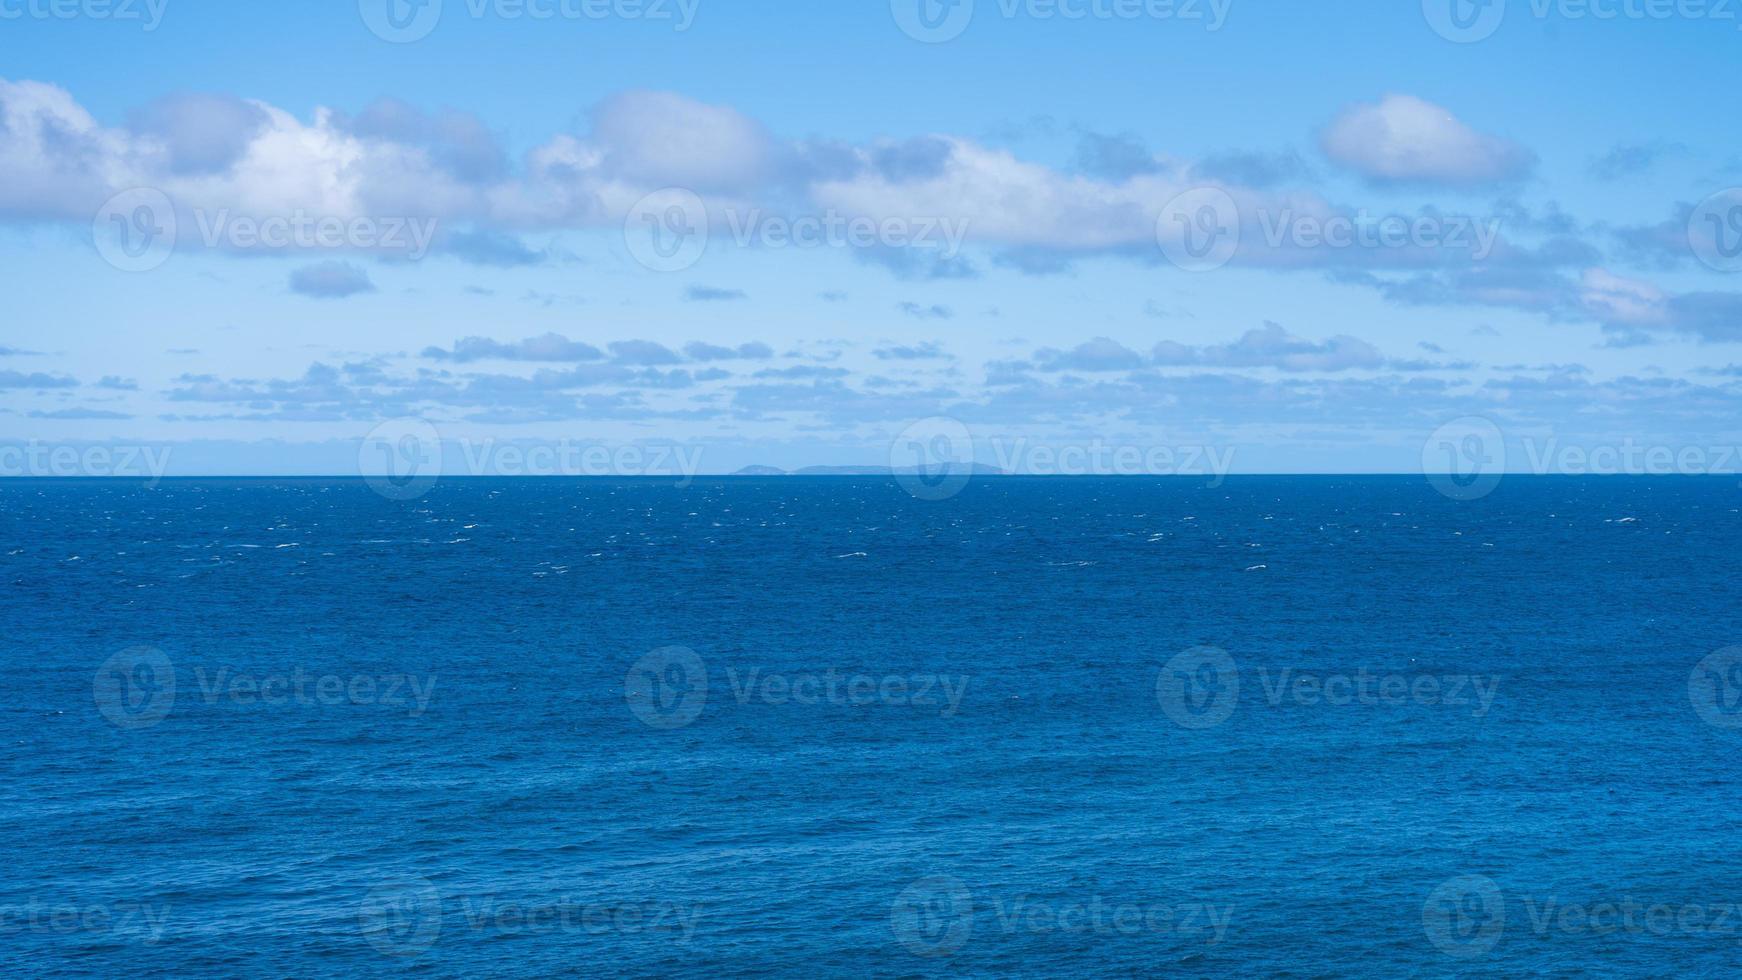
[(1058, 235)]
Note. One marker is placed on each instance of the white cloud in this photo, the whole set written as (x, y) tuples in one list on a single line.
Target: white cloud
[(394, 161), (1403, 138), (55, 161), (665, 139), (1622, 301), (1013, 202)]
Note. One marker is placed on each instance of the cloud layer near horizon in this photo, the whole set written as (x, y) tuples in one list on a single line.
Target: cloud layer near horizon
[(216, 154), (219, 157)]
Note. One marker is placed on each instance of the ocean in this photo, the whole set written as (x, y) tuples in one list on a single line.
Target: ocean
[(1289, 726)]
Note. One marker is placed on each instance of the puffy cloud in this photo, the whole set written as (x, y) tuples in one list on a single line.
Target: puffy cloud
[(55, 161), (35, 379), (1621, 301), (712, 294), (223, 155), (803, 371), (490, 248), (1036, 261), (664, 139), (556, 348), (921, 158), (1099, 354), (930, 350), (1114, 157), (394, 161), (460, 143), (1712, 316), (200, 133), (1405, 139), (699, 351), (1632, 159), (916, 264), (547, 347), (1004, 200), (79, 414), (1272, 346), (330, 280), (1261, 170), (643, 352), (933, 312)]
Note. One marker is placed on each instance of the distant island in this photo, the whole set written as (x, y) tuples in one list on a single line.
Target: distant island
[(978, 469)]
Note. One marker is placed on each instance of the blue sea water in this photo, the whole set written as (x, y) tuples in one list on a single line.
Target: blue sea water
[(817, 727)]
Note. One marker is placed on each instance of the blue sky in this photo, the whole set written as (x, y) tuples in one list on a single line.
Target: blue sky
[(1552, 181)]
